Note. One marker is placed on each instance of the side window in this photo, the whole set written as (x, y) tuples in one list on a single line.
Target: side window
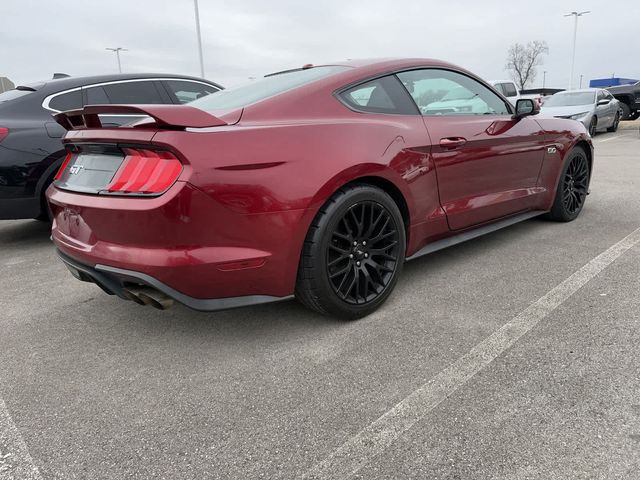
[(601, 95), (96, 96), (67, 101), (509, 90), (443, 92), (382, 95), (133, 92), (608, 95), (186, 91)]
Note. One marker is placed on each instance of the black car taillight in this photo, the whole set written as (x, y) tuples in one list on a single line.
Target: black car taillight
[(145, 171), (3, 133)]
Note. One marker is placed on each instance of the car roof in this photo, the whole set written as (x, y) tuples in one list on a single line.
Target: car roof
[(362, 69), (58, 84)]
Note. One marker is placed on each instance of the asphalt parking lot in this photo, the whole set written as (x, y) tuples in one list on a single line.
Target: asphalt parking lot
[(513, 356)]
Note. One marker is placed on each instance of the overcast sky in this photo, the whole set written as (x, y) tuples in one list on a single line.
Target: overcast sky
[(249, 38)]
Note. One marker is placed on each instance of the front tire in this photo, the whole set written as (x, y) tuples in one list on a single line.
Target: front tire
[(353, 254), (593, 125), (573, 186)]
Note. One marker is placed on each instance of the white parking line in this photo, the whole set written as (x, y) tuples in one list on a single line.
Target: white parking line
[(360, 449), (612, 137), (15, 460)]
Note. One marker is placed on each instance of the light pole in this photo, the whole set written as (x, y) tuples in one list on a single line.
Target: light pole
[(544, 78), (118, 50), (575, 16), (581, 80), (195, 5)]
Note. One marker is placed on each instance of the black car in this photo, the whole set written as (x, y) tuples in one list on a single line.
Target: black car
[(30, 146)]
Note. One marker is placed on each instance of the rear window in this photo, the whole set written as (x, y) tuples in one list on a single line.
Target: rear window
[(382, 95), (264, 88), (66, 101), (11, 94), (144, 92)]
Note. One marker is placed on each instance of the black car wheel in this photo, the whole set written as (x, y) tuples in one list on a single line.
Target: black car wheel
[(573, 187), (614, 125), (353, 253)]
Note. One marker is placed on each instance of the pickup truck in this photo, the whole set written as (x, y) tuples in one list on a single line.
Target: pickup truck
[(629, 97)]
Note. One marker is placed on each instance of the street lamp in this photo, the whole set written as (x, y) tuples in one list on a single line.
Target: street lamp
[(195, 5), (118, 50), (575, 16), (544, 78)]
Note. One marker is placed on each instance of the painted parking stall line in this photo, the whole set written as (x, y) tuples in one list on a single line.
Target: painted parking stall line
[(15, 461), (360, 449)]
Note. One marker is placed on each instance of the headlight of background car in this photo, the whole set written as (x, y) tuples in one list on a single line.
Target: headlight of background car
[(578, 116)]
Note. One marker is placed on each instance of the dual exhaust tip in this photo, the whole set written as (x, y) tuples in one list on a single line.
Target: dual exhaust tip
[(149, 296)]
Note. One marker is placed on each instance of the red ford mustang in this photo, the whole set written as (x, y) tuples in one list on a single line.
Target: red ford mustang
[(318, 182)]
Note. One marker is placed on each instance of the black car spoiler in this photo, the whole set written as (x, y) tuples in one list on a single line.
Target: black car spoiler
[(164, 116)]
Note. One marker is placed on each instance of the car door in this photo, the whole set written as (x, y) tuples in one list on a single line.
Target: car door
[(487, 163), (603, 111), (613, 106), (124, 92)]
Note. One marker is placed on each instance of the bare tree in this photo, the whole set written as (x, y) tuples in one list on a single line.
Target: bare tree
[(522, 61)]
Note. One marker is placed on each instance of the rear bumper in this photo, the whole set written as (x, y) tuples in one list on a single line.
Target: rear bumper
[(115, 281), (183, 243)]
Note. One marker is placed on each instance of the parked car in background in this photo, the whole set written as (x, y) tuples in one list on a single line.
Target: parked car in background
[(317, 182), (595, 108), (629, 98), (30, 147), (507, 88)]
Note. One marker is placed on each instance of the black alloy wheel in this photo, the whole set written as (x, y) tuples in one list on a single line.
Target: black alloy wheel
[(575, 184), (353, 254), (363, 252), (573, 187)]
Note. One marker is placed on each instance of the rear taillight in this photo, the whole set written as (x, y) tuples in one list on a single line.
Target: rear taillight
[(145, 172), (3, 133), (65, 162)]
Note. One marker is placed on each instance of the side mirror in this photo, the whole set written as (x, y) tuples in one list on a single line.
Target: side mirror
[(604, 101), (526, 107)]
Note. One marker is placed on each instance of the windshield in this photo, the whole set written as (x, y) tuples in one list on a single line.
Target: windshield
[(263, 88), (570, 99), (11, 94)]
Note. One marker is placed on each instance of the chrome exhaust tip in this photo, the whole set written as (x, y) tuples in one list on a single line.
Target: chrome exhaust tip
[(149, 296)]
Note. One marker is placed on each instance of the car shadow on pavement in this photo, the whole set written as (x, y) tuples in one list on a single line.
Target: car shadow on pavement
[(27, 233)]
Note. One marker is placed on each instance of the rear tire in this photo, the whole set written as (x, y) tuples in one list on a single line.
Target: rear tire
[(353, 254), (614, 125), (573, 186)]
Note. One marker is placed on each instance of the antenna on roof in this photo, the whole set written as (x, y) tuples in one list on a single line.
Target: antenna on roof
[(60, 75)]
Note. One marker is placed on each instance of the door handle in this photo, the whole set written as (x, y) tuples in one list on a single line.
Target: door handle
[(451, 143)]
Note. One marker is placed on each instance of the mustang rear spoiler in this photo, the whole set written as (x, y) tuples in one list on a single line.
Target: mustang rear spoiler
[(164, 116)]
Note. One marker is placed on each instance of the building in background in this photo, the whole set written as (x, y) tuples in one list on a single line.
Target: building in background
[(611, 82)]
